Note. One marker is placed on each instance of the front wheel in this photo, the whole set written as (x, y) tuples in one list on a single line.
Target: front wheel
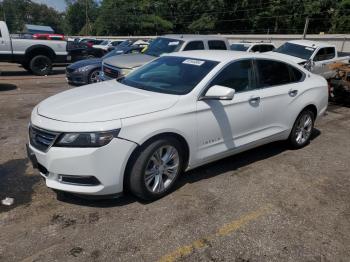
[(94, 76), (156, 168), (302, 129)]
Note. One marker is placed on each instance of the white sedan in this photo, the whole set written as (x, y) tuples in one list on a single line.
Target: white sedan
[(174, 114)]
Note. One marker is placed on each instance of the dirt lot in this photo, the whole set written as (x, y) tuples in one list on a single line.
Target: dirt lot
[(268, 204)]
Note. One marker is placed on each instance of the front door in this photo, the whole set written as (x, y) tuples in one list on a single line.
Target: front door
[(227, 125)]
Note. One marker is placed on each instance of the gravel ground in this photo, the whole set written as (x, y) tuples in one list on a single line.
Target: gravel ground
[(268, 204)]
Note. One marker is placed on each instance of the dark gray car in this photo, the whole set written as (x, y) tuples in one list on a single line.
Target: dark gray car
[(88, 71)]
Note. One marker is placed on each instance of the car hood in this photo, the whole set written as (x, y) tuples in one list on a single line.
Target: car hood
[(287, 57), (85, 62), (128, 60), (105, 101)]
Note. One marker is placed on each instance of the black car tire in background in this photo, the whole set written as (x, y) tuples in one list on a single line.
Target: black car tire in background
[(40, 65)]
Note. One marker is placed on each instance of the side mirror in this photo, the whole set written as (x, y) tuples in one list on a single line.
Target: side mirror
[(217, 92), (309, 65)]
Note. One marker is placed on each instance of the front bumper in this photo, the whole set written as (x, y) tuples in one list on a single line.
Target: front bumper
[(76, 78), (107, 164)]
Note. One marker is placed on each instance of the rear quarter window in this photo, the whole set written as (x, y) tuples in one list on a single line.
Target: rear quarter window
[(275, 73)]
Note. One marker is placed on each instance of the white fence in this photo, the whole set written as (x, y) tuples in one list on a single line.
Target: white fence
[(342, 42)]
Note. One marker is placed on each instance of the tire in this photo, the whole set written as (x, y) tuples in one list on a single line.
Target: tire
[(156, 183), (302, 129), (40, 65), (94, 76)]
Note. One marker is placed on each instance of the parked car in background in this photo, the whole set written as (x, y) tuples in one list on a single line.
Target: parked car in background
[(36, 56), (103, 45), (254, 47), (88, 71), (316, 56), (115, 67), (49, 37), (176, 113)]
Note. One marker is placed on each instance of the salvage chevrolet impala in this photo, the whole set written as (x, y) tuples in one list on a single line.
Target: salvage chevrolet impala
[(178, 112)]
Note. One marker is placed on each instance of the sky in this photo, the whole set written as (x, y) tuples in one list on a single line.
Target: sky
[(59, 5)]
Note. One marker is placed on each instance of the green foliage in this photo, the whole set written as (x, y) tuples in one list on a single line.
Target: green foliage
[(20, 12), (150, 17)]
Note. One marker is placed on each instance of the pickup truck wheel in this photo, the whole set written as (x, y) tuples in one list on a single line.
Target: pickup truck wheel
[(156, 168), (302, 129), (40, 65)]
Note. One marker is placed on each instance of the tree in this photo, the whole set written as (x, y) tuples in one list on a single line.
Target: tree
[(76, 20), (20, 12)]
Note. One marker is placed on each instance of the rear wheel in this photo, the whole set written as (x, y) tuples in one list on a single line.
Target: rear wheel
[(156, 168), (40, 65), (302, 129)]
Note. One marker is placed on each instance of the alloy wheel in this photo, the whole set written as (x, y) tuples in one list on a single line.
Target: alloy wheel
[(161, 169)]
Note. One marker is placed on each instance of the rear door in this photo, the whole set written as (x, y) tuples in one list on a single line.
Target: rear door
[(280, 87)]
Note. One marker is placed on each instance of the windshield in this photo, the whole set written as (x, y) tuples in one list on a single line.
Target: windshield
[(163, 45), (105, 42), (239, 47), (124, 43), (170, 75), (300, 51), (117, 51)]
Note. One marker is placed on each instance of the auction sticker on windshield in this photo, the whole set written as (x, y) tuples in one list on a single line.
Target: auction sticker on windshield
[(193, 62), (174, 43)]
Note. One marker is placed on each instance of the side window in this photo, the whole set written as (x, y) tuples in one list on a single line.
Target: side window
[(255, 48), (330, 52), (273, 73), (321, 55), (194, 45), (238, 75), (217, 45), (266, 48), (296, 74)]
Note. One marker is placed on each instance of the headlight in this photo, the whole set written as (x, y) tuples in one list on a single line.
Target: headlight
[(125, 71), (94, 139), (83, 69)]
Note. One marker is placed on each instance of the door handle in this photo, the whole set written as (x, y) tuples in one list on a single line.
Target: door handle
[(254, 100), (293, 93)]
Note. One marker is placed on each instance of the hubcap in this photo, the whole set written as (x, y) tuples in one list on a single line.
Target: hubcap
[(95, 77), (304, 128), (161, 169)]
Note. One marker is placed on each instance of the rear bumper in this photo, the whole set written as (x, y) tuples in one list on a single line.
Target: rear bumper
[(106, 164)]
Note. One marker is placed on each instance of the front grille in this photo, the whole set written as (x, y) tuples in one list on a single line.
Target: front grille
[(41, 139), (110, 72)]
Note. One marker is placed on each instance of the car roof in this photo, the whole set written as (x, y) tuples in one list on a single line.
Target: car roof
[(251, 43), (189, 37), (226, 55), (312, 44)]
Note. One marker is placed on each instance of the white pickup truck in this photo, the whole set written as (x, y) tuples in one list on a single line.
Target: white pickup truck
[(315, 56), (36, 56)]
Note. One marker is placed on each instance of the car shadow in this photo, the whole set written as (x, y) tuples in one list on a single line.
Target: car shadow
[(231, 163), (23, 72), (7, 87)]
